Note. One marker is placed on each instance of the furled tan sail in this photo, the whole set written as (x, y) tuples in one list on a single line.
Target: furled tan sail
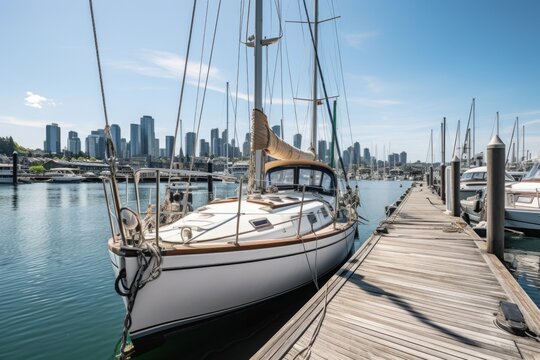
[(263, 138)]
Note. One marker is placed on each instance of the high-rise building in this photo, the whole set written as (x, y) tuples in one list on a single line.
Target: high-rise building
[(116, 138), (356, 153), (135, 140), (147, 135), (321, 152), (204, 148), (156, 148), (190, 144), (297, 141), (123, 148), (246, 146), (92, 146), (346, 159), (73, 143), (214, 143), (169, 146), (367, 156), (52, 139), (277, 130), (403, 158), (99, 152)]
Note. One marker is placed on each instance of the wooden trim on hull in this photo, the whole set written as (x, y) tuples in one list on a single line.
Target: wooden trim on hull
[(207, 248)]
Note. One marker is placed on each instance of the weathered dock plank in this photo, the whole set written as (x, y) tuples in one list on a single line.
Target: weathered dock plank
[(425, 290)]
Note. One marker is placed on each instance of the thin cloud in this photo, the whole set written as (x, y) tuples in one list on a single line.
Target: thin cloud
[(12, 120), (374, 103), (37, 101), (355, 40), (163, 64)]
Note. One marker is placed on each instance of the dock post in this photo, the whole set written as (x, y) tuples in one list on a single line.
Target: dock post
[(443, 183), (210, 169), (455, 186), (430, 176), (15, 168), (495, 197)]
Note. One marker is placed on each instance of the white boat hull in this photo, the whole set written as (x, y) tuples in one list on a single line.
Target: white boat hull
[(193, 287), (527, 220)]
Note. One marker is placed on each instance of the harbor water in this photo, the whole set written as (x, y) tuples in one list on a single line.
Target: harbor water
[(57, 291)]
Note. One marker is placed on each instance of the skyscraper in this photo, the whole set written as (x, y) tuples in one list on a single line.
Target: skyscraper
[(116, 138), (297, 141), (92, 146), (204, 148), (214, 143), (367, 156), (123, 148), (52, 139), (147, 135), (403, 158), (190, 144), (277, 130), (73, 143), (356, 153), (246, 146), (321, 151), (135, 140), (100, 143), (169, 146)]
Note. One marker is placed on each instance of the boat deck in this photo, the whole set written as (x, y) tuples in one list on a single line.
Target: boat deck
[(426, 289)]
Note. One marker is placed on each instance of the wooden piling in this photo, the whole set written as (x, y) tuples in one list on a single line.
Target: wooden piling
[(495, 197)]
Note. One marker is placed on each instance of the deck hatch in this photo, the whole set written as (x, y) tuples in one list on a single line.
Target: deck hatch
[(260, 223)]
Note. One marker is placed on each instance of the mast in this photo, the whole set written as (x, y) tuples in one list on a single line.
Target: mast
[(473, 127), (227, 144), (258, 104), (517, 140), (314, 84)]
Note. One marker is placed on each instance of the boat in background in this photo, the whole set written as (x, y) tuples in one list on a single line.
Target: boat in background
[(522, 208), (63, 175), (475, 179)]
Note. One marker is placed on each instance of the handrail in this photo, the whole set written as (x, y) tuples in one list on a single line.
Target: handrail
[(238, 213)]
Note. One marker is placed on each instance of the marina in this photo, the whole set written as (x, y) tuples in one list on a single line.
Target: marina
[(310, 226), (422, 287)]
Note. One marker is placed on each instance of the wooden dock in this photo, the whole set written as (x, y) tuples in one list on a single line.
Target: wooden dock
[(427, 289)]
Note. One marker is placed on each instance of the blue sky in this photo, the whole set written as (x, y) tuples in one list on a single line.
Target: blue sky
[(406, 64)]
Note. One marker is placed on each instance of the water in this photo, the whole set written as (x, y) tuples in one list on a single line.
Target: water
[(57, 295)]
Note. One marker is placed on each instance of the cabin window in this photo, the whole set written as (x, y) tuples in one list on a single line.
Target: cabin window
[(304, 177), (479, 176), (324, 212), (525, 199), (259, 224), (282, 177), (466, 176)]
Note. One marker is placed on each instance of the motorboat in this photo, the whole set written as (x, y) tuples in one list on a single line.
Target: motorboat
[(63, 175), (475, 179), (522, 208), (239, 170)]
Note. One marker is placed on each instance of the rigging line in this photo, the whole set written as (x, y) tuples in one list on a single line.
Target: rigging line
[(280, 48), (292, 88), (99, 66), (110, 144), (206, 83), (325, 93), (235, 107), (200, 68), (183, 84), (338, 43)]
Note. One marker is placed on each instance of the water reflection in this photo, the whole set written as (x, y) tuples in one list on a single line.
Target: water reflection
[(14, 197)]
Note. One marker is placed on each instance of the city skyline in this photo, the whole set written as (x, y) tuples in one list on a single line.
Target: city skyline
[(399, 79)]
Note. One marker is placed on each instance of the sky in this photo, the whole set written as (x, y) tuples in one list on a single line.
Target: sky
[(396, 67)]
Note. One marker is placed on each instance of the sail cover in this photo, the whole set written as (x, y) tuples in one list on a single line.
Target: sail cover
[(263, 138)]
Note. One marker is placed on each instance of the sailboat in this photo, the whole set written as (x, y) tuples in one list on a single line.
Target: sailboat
[(292, 227)]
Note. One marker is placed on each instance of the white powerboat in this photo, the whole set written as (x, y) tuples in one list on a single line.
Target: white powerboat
[(63, 175), (475, 179), (522, 210)]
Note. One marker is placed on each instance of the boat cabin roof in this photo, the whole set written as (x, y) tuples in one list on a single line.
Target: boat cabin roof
[(294, 163)]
